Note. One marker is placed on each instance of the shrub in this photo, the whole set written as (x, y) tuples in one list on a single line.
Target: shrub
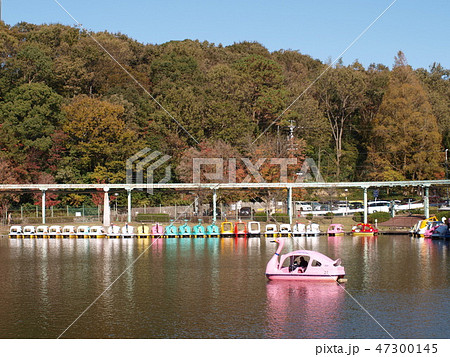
[(152, 217), (329, 215), (358, 217), (445, 214), (48, 220), (416, 211), (260, 216), (280, 217), (379, 216)]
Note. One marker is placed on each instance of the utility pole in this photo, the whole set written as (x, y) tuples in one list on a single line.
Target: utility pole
[(291, 145)]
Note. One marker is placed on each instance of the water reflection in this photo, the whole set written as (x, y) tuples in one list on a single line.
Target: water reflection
[(304, 309)]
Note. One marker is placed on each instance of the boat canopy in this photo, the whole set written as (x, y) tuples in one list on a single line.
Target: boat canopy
[(321, 258)]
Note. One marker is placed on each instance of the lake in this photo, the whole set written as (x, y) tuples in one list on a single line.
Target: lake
[(216, 288)]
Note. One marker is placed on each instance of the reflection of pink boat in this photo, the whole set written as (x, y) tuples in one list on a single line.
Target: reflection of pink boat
[(336, 229), (304, 309), (157, 230), (314, 266)]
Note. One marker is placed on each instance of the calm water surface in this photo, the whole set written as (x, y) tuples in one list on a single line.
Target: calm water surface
[(216, 288)]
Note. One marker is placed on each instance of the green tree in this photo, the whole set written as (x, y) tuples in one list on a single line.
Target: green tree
[(29, 117), (267, 96), (341, 95), (227, 112), (8, 49), (32, 63)]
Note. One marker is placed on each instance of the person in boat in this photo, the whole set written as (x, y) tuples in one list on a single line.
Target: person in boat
[(294, 265), (302, 264)]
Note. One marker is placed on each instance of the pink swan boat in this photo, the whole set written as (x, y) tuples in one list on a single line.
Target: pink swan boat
[(303, 265), (336, 229)]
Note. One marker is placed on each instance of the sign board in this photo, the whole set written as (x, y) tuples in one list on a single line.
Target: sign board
[(375, 193)]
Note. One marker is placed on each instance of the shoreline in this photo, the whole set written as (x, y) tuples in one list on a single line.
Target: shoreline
[(346, 221)]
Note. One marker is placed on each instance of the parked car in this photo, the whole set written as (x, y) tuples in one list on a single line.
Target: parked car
[(409, 204), (245, 212), (444, 206), (378, 206), (356, 205), (303, 206), (407, 200)]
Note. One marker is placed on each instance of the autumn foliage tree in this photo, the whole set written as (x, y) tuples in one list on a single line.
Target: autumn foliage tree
[(51, 198), (405, 141), (212, 162), (98, 139), (217, 161)]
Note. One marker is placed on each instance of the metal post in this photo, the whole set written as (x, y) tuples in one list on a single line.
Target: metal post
[(365, 204), (214, 205), (290, 204), (426, 202), (446, 174), (129, 205), (43, 206), (106, 208), (346, 202)]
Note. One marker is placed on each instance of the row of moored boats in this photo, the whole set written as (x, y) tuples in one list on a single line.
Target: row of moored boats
[(226, 229)]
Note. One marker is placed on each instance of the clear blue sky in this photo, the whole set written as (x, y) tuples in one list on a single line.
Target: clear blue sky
[(321, 29)]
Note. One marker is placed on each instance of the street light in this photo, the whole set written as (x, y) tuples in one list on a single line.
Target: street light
[(116, 194)]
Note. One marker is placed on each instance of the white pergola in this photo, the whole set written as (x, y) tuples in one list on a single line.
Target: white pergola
[(426, 184)]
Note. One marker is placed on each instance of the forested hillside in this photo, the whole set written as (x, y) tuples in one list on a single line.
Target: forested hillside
[(70, 114)]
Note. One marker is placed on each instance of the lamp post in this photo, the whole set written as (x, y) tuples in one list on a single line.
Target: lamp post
[(117, 196)]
